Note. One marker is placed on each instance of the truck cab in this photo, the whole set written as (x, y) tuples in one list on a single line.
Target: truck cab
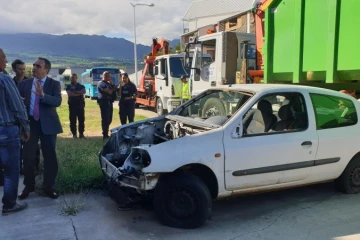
[(168, 69), (220, 59)]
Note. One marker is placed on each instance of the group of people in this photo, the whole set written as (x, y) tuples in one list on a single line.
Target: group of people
[(28, 115), (29, 123), (107, 93)]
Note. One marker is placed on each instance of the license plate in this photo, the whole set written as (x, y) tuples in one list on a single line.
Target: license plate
[(175, 104)]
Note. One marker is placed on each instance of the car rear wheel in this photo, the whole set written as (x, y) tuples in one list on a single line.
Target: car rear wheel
[(349, 181), (182, 201)]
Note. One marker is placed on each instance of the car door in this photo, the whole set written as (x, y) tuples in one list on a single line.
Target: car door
[(162, 76), (273, 157), (338, 131)]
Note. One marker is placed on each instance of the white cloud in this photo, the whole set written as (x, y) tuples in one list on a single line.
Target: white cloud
[(103, 17)]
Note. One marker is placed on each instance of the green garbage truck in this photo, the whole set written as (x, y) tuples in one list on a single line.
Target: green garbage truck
[(308, 42)]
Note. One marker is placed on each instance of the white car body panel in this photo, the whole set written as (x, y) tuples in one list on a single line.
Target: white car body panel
[(261, 151)]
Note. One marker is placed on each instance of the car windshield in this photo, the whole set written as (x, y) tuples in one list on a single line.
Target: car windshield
[(221, 104)]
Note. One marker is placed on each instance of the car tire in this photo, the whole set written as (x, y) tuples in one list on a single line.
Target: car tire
[(349, 181), (213, 107), (182, 201)]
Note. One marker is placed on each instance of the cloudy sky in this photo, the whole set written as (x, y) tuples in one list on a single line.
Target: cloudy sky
[(112, 18)]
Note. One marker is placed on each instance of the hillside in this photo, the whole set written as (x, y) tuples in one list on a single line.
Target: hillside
[(72, 48)]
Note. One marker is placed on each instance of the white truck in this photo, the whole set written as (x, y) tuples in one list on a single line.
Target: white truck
[(270, 137), (168, 86), (168, 71)]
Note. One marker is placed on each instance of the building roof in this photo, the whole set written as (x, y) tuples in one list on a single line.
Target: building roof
[(206, 8)]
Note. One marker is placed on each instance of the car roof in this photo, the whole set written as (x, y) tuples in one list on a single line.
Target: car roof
[(257, 88)]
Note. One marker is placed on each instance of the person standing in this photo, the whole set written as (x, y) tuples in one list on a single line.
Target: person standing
[(127, 93), (185, 89), (76, 104), (13, 120), (19, 68), (106, 90), (42, 95)]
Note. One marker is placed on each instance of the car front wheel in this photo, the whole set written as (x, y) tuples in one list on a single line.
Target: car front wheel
[(182, 201)]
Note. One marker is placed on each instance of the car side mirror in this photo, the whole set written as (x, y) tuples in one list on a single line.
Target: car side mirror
[(237, 131)]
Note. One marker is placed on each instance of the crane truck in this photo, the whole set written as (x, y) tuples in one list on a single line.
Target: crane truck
[(160, 86)]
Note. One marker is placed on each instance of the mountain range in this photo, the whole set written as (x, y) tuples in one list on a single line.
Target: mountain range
[(72, 45)]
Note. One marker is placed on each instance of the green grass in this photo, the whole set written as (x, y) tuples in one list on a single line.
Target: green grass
[(79, 167)]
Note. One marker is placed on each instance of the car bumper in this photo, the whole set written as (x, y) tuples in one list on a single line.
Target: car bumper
[(141, 181)]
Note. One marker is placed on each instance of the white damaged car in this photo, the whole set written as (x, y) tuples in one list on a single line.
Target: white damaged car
[(234, 140)]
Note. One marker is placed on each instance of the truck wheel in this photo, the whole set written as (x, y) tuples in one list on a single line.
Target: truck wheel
[(213, 107), (182, 201), (159, 108), (349, 181)]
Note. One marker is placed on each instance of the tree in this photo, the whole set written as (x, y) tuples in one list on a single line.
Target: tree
[(178, 47)]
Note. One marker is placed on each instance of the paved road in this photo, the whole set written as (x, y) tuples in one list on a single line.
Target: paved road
[(317, 212)]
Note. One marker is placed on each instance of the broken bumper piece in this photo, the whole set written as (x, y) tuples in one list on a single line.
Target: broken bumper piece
[(136, 179)]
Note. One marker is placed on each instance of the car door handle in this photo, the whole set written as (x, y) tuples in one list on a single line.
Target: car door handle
[(306, 143)]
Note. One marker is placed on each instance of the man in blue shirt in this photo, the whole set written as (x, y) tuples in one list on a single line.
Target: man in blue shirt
[(76, 103), (106, 90), (13, 121)]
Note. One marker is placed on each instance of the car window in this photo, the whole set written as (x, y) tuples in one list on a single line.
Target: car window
[(332, 111), (280, 112), (215, 103)]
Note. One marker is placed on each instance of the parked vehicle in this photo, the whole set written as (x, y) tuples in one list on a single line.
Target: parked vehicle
[(291, 50), (160, 86), (186, 159), (232, 53)]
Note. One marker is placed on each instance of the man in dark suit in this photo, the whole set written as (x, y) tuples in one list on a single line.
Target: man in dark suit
[(42, 95), (19, 68)]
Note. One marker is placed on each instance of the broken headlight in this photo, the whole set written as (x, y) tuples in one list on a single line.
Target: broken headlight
[(140, 158)]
